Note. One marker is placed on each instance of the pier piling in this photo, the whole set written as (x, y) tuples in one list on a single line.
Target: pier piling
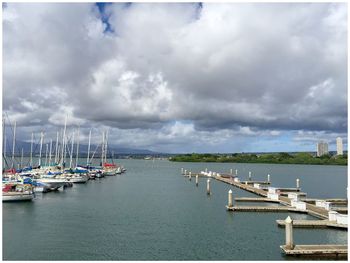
[(231, 171), (182, 170), (289, 233), (190, 176), (206, 170), (250, 176), (268, 178), (185, 172), (230, 203), (236, 171), (298, 183), (197, 180), (208, 187)]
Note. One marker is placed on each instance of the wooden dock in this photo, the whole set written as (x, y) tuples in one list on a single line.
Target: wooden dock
[(340, 209), (313, 224), (256, 182), (317, 250), (311, 209), (255, 199), (285, 189), (264, 209), (337, 201), (338, 251)]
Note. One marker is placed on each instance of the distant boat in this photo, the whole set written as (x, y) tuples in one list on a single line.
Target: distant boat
[(13, 191)]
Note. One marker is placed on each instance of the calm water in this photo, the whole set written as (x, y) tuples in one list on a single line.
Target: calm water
[(152, 213)]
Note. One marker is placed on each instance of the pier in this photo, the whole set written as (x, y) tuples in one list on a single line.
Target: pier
[(340, 251), (255, 199), (291, 200), (264, 209), (313, 224)]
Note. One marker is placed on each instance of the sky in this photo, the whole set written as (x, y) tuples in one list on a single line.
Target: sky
[(177, 77)]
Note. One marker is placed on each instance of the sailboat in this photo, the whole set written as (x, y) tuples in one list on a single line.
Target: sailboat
[(14, 189)]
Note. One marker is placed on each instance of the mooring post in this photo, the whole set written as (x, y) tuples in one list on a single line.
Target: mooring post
[(206, 170), (289, 233), (197, 180), (268, 178), (298, 183), (231, 171), (208, 187), (236, 171), (185, 172), (182, 170), (250, 176), (190, 176), (230, 203)]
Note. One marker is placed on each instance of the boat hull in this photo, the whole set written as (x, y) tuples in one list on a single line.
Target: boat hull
[(17, 197)]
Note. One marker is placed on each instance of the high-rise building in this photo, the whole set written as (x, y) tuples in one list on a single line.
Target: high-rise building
[(339, 146), (322, 148)]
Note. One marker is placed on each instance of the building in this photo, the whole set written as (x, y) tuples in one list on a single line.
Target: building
[(339, 146), (322, 148)]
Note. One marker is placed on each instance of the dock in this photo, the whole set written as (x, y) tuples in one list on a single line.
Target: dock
[(264, 209), (289, 198), (256, 182), (255, 199), (317, 250), (337, 201), (313, 224), (311, 209)]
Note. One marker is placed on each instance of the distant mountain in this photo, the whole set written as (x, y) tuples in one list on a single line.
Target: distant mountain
[(83, 149)]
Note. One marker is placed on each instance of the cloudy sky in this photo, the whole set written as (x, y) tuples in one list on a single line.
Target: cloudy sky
[(179, 77)]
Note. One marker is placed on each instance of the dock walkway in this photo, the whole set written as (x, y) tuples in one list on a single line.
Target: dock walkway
[(312, 224), (314, 210), (321, 250)]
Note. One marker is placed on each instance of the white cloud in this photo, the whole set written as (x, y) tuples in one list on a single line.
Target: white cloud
[(219, 71)]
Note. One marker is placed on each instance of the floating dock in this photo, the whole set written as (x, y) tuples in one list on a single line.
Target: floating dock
[(255, 199), (311, 209), (317, 250), (337, 201), (256, 182), (305, 205), (313, 224), (264, 209)]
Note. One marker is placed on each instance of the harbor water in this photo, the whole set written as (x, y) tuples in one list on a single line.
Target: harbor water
[(152, 212)]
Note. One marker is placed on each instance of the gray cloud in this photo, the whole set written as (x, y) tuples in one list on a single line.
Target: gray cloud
[(220, 68)]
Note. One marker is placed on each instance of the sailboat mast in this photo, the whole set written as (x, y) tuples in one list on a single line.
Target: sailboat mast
[(71, 152), (46, 150), (4, 138), (106, 146), (21, 159), (77, 154), (63, 155), (31, 151), (88, 155), (102, 147), (41, 146), (56, 149), (5, 146), (13, 146), (50, 152)]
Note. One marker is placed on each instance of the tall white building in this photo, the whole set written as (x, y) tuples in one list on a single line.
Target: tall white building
[(322, 148), (339, 146)]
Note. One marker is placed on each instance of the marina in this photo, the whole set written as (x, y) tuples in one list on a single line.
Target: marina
[(291, 203), (177, 131), (140, 228)]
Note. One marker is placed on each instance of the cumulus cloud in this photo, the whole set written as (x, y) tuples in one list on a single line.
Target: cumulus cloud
[(165, 75)]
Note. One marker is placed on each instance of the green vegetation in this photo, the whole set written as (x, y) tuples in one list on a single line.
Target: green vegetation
[(281, 158)]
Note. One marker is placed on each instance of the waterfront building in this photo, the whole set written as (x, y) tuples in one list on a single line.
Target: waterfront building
[(322, 148), (339, 146)]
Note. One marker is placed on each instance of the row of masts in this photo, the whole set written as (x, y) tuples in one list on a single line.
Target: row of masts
[(60, 149)]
